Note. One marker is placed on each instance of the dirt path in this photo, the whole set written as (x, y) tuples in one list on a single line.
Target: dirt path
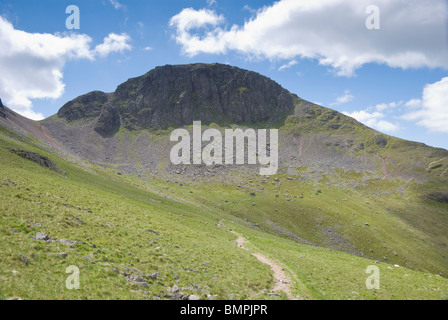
[(282, 281), (170, 197), (384, 167)]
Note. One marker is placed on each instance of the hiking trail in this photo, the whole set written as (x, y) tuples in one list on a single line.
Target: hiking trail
[(282, 281)]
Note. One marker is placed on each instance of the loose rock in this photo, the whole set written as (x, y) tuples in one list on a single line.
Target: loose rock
[(24, 259)]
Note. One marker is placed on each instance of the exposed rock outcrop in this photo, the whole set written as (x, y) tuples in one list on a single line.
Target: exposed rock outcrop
[(2, 110), (86, 106), (35, 157), (441, 197), (178, 95), (109, 122)]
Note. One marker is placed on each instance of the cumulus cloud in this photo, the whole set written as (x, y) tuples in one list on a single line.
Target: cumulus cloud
[(347, 97), (431, 111), (31, 64), (189, 19), (113, 43), (374, 120), (413, 33)]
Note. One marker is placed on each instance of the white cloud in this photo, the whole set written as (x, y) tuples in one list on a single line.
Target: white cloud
[(148, 48), (386, 126), (30, 114), (432, 109), (347, 97), (248, 8), (113, 43), (211, 2), (117, 5), (288, 65), (388, 106), (413, 33), (31, 64), (413, 103), (381, 107), (189, 19), (374, 120)]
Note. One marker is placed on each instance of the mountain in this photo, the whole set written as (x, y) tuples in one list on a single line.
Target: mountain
[(345, 196), (119, 127), (173, 96)]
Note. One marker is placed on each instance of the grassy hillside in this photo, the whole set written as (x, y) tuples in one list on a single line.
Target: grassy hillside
[(167, 233)]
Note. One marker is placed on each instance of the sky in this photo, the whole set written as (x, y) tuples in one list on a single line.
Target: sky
[(383, 62)]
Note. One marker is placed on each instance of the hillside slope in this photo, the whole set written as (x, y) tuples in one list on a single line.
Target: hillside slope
[(134, 240)]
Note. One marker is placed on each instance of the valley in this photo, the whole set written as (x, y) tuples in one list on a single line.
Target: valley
[(137, 226)]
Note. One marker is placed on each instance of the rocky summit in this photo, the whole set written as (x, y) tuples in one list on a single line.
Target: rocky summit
[(173, 96)]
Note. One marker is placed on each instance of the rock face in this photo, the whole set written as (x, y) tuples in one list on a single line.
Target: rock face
[(437, 197), (109, 122), (35, 157), (174, 96), (2, 110), (86, 106)]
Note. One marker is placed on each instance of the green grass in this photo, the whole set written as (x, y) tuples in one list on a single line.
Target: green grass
[(192, 247), (120, 215), (411, 236), (327, 274)]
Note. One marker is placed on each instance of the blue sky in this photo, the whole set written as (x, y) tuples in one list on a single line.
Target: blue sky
[(394, 79)]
